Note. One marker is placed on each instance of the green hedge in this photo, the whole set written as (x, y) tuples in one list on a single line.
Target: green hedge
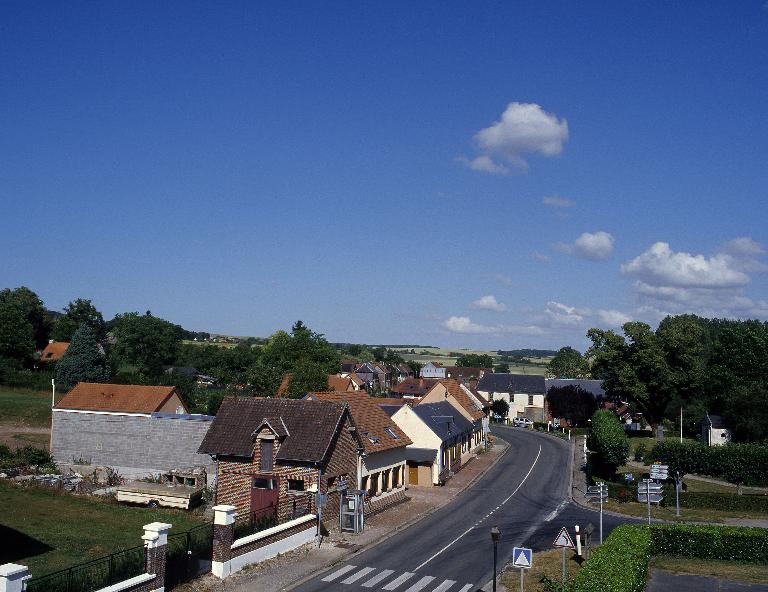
[(35, 380), (608, 443), (725, 543), (736, 463), (620, 564)]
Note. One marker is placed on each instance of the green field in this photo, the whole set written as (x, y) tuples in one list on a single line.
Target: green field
[(24, 407), (52, 530), (443, 355)]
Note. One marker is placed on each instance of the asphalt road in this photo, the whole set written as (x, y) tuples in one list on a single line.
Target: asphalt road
[(525, 495)]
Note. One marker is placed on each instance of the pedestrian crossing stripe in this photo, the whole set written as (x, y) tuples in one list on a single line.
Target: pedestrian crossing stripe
[(387, 579), (522, 557)]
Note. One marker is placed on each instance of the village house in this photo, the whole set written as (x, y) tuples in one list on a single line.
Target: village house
[(339, 382), (274, 455), (466, 375), (432, 370), (413, 388), (466, 403), (381, 467), (524, 393), (135, 429), (440, 437), (54, 351), (402, 371)]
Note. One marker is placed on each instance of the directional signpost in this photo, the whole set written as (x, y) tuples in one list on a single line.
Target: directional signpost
[(522, 558), (564, 541), (660, 472), (649, 492), (598, 493)]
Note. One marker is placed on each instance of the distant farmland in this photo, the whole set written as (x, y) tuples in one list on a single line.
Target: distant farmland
[(448, 357)]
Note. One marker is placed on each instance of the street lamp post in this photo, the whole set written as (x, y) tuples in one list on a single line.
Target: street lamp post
[(495, 536)]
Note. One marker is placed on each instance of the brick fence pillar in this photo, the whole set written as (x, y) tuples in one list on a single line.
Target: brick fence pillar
[(223, 537), (13, 577), (155, 545)]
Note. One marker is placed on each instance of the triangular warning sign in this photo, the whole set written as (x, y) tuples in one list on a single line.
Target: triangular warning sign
[(522, 559), (563, 540)]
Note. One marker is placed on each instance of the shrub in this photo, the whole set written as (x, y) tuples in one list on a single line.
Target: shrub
[(620, 564), (749, 545), (608, 443), (736, 463), (720, 501), (30, 455), (640, 452)]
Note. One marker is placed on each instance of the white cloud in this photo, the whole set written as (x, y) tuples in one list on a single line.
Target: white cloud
[(562, 314), (465, 326), (660, 266), (485, 164), (613, 318), (488, 303), (676, 282), (504, 280), (595, 246), (524, 128), (555, 201), (540, 257)]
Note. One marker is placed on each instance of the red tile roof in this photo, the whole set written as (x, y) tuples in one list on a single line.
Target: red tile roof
[(462, 398), (340, 383), (372, 423), (53, 351), (119, 398)]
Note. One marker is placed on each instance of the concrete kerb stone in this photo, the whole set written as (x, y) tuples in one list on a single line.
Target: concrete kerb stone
[(400, 527)]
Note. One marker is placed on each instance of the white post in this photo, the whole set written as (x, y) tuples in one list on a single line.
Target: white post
[(569, 435), (681, 425), (601, 518), (53, 404), (578, 541), (13, 577)]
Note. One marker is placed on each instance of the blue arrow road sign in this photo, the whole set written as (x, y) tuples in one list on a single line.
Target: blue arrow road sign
[(522, 557)]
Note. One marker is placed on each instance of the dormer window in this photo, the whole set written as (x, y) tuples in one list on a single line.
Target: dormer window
[(391, 433), (265, 464), (373, 439)]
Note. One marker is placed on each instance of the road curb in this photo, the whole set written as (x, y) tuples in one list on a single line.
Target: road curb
[(400, 527)]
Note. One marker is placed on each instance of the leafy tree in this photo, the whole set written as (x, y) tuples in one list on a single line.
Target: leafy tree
[(568, 363), (16, 333), (303, 353), (416, 367), (608, 443), (77, 313), (747, 413), (32, 308), (500, 407), (502, 368), (475, 361), (83, 361), (571, 403), (146, 343)]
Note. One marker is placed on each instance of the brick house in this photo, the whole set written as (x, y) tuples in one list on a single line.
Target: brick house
[(381, 470), (275, 455)]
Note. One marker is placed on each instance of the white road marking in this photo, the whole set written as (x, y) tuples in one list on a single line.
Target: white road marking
[(377, 578), (357, 576), (396, 582), (556, 511), (422, 583), (466, 588), (444, 586), (338, 573), (463, 534)]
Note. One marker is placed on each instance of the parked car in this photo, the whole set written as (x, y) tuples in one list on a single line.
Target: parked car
[(522, 422)]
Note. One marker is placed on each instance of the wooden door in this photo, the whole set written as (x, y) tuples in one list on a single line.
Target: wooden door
[(413, 474), (265, 492)]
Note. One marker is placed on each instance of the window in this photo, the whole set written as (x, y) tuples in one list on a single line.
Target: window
[(392, 433), (295, 484), (262, 483), (530, 400), (266, 455)]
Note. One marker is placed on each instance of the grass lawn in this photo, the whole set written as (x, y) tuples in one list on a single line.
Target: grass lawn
[(745, 572), (48, 531), (545, 563), (24, 407)]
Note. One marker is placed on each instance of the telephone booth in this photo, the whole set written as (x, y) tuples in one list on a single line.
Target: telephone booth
[(351, 515)]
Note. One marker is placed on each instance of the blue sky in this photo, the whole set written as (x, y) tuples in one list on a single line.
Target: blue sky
[(491, 174)]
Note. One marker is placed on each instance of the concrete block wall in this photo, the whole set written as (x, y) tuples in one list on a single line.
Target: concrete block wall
[(135, 445)]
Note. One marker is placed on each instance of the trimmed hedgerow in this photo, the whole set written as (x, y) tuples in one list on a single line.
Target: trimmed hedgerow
[(719, 501), (735, 543), (620, 564), (608, 443)]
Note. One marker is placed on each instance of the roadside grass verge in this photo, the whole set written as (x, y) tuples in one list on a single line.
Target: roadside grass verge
[(687, 514), (52, 530), (547, 564), (25, 407), (730, 570)]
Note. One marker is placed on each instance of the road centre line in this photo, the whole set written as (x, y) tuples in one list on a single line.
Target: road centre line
[(463, 534)]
